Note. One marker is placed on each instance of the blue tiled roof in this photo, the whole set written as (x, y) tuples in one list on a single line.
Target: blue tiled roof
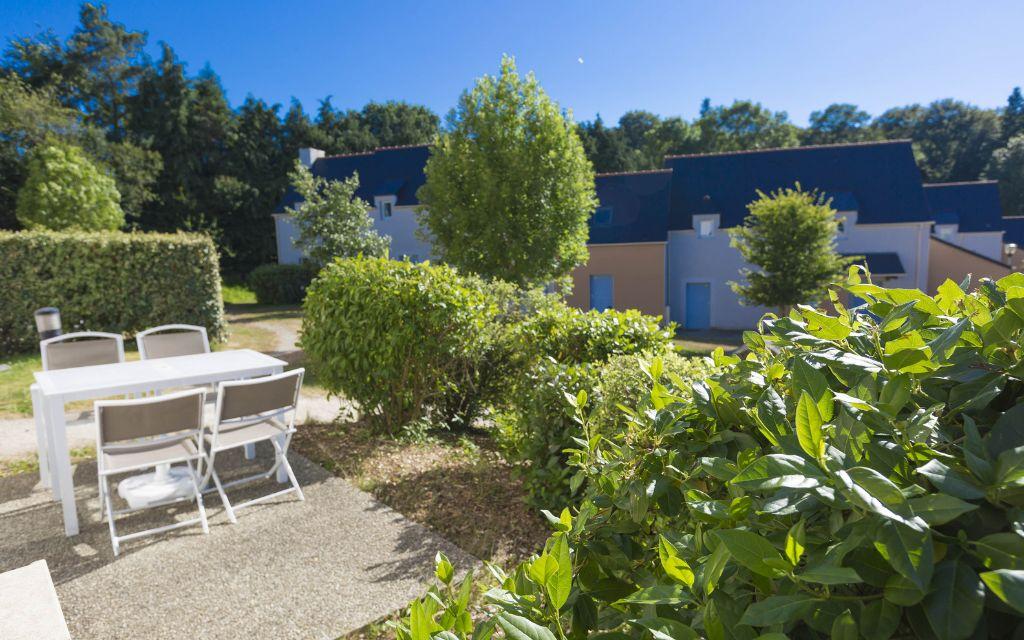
[(881, 264), (880, 178), (973, 205), (1014, 230), (639, 203), (396, 171)]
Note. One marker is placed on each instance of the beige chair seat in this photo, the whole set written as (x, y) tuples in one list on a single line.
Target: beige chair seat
[(228, 438), (148, 456)]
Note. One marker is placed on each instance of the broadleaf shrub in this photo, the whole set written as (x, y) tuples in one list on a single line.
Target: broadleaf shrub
[(116, 282), (404, 340), (281, 283), (858, 475)]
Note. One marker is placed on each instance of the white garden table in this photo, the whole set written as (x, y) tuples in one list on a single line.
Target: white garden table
[(55, 388)]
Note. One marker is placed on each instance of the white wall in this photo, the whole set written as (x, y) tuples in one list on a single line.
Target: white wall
[(712, 260), (402, 227), (987, 243), (287, 252)]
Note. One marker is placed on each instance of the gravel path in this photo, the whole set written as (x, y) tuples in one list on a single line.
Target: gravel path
[(288, 569)]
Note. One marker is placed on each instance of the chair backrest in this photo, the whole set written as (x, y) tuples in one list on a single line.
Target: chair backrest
[(172, 340), (268, 395), (124, 420), (81, 349)]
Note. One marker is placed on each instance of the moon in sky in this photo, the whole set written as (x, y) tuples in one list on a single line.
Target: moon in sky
[(580, 60)]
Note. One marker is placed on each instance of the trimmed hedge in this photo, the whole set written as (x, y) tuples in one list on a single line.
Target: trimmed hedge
[(117, 282), (281, 283)]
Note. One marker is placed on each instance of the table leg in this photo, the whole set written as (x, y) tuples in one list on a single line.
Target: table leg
[(40, 420), (60, 457)]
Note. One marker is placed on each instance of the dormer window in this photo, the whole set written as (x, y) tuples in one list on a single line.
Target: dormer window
[(385, 206), (603, 217), (706, 225), (844, 223)]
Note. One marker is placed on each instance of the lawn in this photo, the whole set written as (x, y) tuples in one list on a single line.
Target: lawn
[(702, 343)]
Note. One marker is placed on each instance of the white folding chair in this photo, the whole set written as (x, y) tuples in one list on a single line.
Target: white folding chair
[(134, 435), (251, 411), (79, 349), (171, 340)]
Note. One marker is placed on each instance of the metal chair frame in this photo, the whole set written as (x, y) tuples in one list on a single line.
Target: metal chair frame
[(195, 435), (283, 418)]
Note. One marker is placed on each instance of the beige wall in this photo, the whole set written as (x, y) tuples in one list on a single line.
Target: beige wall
[(638, 272), (949, 261)]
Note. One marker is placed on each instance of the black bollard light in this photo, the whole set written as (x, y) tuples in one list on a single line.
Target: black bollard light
[(48, 322)]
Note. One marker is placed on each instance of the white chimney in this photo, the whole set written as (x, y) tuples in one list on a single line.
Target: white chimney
[(309, 155)]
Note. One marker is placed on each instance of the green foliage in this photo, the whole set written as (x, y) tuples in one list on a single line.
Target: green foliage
[(790, 237), (331, 220), (117, 282), (509, 189), (1007, 166), (745, 125), (403, 340), (281, 283), (563, 351), (856, 475), (839, 123), (65, 191)]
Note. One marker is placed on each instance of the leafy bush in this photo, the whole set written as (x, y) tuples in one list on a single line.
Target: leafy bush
[(856, 476), (562, 350), (281, 283), (571, 336), (118, 282), (66, 191), (403, 339)]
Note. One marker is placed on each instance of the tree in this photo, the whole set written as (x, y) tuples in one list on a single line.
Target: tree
[(509, 188), (789, 235), (396, 123), (668, 137), (745, 125), (899, 123), (605, 148), (1007, 166), (65, 191), (331, 220), (838, 123), (635, 125), (955, 140), (1013, 115)]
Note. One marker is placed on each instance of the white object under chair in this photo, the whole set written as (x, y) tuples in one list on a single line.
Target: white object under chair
[(156, 432), (251, 411)]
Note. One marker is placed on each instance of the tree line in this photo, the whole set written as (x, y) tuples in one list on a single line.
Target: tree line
[(183, 158)]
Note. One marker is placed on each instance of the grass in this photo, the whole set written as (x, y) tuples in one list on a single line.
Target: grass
[(237, 294), (702, 343), (30, 464)]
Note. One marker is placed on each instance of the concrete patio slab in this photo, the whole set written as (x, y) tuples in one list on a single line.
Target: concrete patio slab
[(288, 569)]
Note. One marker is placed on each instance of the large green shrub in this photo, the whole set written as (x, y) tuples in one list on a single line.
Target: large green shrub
[(404, 340), (281, 283), (118, 282), (855, 476), (66, 191), (571, 336)]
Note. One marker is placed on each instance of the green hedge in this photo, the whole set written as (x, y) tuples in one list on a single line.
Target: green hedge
[(281, 283), (117, 282)]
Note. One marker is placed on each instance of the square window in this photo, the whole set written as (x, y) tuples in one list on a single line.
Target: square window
[(706, 228), (385, 210)]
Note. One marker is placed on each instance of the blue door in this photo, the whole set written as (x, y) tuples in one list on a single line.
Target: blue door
[(601, 292), (698, 305)]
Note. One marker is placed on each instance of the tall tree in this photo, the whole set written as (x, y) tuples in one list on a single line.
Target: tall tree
[(635, 125), (956, 140), (509, 188), (745, 125), (395, 123), (1013, 115), (605, 148), (899, 123), (670, 136), (343, 131), (789, 237), (838, 123), (1007, 166)]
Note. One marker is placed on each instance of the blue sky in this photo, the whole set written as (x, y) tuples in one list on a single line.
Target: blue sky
[(660, 56)]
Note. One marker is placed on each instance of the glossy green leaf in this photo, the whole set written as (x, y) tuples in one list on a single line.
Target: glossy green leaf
[(520, 628), (1008, 585), (751, 551), (808, 426), (777, 610), (953, 606)]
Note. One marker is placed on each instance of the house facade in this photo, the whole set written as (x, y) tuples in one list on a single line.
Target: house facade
[(659, 240)]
